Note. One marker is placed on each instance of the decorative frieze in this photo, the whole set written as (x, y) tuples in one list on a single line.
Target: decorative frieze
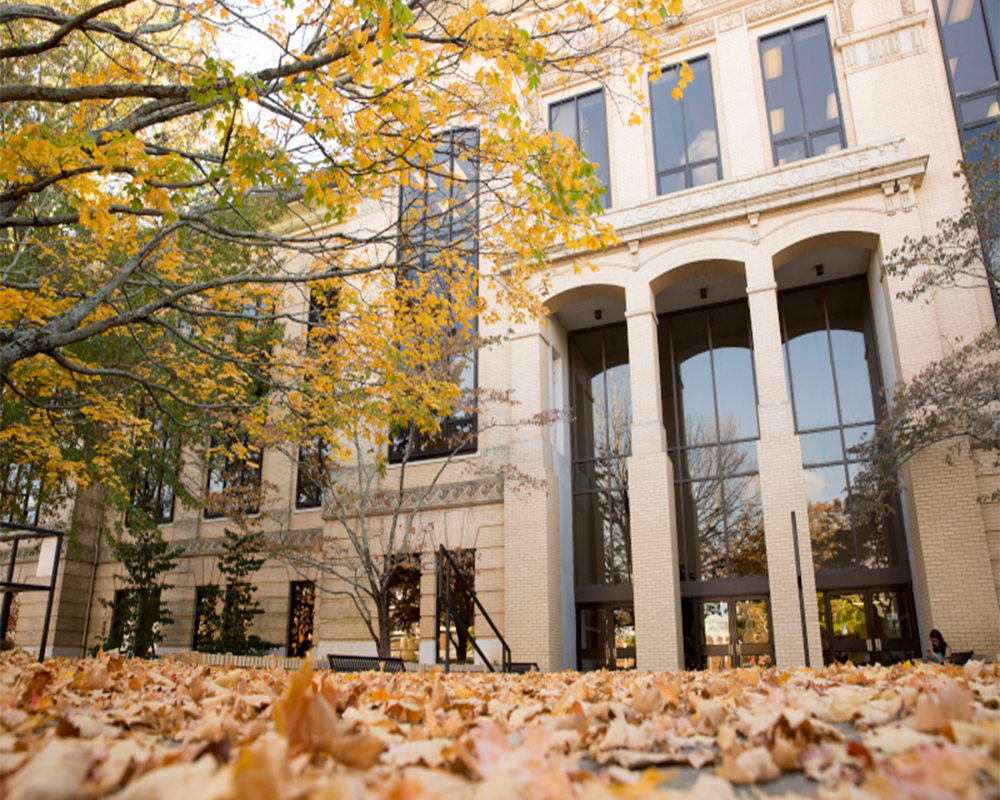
[(689, 35), (471, 493), (771, 8), (728, 22), (883, 43), (907, 7)]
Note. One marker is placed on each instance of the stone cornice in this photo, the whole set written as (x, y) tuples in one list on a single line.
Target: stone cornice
[(872, 166)]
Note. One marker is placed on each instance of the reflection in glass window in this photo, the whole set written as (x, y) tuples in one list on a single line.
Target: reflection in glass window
[(301, 607), (803, 107), (685, 137), (233, 477), (439, 225), (830, 359), (314, 462), (602, 441), (710, 412), (971, 33), (581, 120)]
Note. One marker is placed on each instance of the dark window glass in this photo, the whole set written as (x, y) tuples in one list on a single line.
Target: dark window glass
[(233, 478), (967, 45), (834, 378), (581, 120), (971, 37), (302, 604), (685, 136), (312, 467), (710, 410), (439, 223), (323, 312), (152, 493), (461, 596), (803, 107), (602, 426), (22, 495)]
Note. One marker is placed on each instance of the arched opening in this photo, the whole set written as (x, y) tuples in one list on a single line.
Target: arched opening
[(829, 331), (589, 333), (709, 397)]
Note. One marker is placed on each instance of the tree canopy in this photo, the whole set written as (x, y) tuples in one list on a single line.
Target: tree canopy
[(169, 169)]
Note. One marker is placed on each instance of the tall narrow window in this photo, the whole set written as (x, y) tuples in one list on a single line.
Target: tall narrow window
[(710, 412), (21, 495), (301, 608), (971, 33), (685, 135), (803, 107), (324, 305), (312, 467), (233, 478), (581, 120), (404, 608), (834, 382), (151, 493), (602, 442), (439, 249)]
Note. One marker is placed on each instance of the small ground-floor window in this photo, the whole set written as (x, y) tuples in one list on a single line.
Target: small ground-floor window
[(302, 604)]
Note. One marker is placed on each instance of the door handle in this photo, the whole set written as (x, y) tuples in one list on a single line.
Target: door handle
[(868, 644)]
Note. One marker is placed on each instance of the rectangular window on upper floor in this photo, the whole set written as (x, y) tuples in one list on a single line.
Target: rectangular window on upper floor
[(581, 119), (970, 30), (685, 133), (803, 106)]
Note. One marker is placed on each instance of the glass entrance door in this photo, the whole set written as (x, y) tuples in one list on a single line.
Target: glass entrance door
[(733, 632), (606, 637), (868, 626)]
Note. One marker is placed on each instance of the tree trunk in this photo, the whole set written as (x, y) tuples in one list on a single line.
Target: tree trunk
[(384, 630)]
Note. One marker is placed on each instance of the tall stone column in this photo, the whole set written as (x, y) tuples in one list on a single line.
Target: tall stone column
[(782, 481), (655, 565), (532, 588)]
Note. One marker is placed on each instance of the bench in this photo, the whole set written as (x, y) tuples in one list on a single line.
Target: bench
[(365, 663)]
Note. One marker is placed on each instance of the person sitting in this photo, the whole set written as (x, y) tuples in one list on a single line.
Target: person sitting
[(939, 652)]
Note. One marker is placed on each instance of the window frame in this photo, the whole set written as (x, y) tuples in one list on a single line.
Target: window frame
[(807, 135), (225, 469), (606, 199), (895, 534), (318, 314), (993, 44), (397, 439), (317, 445), (688, 166), (166, 449), (677, 452)]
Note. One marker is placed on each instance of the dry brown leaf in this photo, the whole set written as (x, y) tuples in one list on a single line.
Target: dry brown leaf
[(431, 753), (197, 781), (751, 766), (54, 773)]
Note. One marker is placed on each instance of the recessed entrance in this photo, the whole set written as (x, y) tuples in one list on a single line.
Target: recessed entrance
[(726, 632), (868, 626)]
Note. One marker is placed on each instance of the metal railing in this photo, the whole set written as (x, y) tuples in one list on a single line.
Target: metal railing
[(446, 568), (9, 587)]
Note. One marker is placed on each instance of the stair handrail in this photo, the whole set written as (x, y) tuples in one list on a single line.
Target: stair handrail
[(444, 594)]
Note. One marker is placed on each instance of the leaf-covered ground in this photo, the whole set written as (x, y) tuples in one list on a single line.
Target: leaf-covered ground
[(163, 730)]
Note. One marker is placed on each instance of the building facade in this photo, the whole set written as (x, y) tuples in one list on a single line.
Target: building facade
[(719, 365)]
